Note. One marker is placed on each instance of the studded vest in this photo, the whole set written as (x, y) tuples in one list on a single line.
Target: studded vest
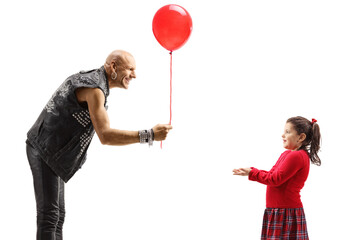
[(63, 131)]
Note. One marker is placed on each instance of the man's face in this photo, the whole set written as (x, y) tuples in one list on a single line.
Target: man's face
[(126, 72)]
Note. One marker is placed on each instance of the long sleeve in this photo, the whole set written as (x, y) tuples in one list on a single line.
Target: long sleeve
[(285, 168)]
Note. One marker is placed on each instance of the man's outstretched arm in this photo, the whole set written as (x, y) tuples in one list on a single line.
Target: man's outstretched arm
[(109, 136)]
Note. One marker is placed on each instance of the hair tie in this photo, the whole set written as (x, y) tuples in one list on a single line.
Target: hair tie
[(313, 121)]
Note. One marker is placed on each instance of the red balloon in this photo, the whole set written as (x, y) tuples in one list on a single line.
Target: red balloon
[(172, 26)]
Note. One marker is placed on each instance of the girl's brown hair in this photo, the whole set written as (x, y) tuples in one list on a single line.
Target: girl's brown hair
[(312, 131)]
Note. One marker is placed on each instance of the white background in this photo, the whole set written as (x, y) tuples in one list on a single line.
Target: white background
[(247, 67)]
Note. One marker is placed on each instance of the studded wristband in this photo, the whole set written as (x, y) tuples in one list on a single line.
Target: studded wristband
[(146, 136), (143, 135)]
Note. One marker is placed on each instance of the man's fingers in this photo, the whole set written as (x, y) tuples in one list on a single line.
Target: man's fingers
[(167, 126), (161, 131)]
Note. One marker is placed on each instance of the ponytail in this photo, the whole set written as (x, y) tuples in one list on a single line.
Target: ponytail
[(312, 131), (315, 144)]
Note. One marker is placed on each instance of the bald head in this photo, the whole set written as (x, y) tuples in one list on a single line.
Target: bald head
[(120, 68), (119, 57)]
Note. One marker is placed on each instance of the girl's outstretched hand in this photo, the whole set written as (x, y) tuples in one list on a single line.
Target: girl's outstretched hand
[(242, 171)]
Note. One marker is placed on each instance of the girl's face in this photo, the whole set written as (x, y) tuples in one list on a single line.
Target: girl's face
[(291, 139)]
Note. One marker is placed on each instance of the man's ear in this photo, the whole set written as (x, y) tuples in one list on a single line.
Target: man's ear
[(113, 66)]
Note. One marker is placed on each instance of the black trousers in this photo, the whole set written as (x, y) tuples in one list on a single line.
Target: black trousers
[(49, 194)]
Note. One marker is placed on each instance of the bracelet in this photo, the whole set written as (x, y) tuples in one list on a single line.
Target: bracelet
[(151, 137)]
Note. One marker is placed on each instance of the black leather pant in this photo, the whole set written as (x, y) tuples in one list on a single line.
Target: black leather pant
[(49, 194)]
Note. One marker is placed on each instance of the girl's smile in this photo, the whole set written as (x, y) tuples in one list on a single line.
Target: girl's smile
[(291, 139)]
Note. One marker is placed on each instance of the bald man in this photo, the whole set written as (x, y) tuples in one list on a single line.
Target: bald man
[(58, 141)]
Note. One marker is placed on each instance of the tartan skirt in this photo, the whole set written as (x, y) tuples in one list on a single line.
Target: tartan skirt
[(284, 223)]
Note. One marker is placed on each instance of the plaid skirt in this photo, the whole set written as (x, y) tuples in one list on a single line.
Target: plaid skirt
[(284, 223)]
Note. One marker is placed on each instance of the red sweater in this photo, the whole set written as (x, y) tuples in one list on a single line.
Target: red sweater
[(285, 180)]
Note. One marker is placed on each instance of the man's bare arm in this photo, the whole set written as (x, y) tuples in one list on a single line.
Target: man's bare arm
[(109, 136)]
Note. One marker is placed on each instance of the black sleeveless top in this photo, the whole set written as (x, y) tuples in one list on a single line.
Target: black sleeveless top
[(63, 131)]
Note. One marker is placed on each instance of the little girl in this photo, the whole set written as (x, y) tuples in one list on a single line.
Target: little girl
[(284, 216)]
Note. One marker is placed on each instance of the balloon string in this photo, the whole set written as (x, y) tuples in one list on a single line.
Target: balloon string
[(170, 86), (170, 91)]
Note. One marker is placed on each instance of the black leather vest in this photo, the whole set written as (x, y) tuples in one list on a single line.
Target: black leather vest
[(63, 131)]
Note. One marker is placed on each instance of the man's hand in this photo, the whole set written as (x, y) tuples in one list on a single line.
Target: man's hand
[(161, 131), (242, 171)]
